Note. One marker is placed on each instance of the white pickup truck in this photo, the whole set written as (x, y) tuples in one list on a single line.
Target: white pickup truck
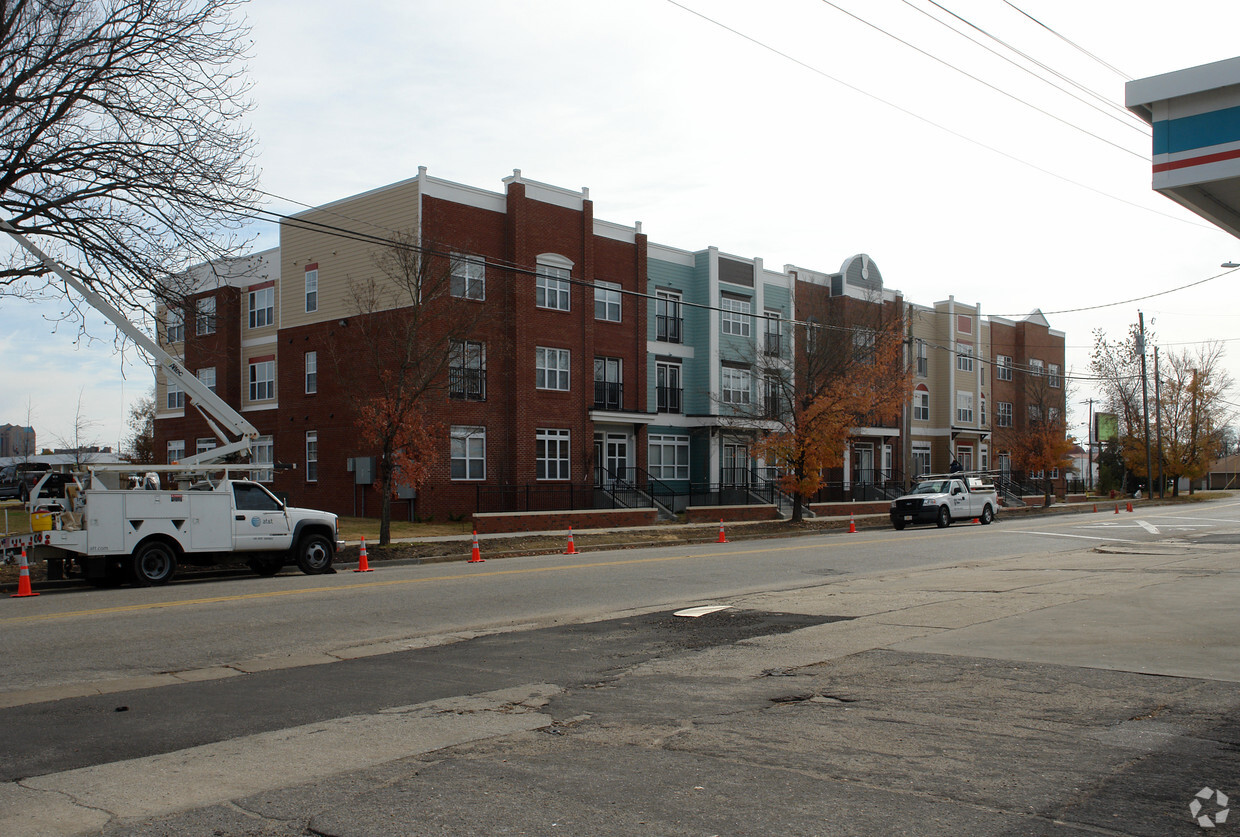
[(942, 499), (109, 533)]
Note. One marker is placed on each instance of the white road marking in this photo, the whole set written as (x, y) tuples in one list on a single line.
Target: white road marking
[(701, 611), (1149, 527), (1082, 537)]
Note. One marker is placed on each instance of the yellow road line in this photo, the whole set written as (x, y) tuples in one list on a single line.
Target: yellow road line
[(105, 611)]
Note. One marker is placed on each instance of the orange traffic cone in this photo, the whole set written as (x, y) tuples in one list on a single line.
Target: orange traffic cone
[(571, 550), (1095, 508), (722, 537), (474, 556), (1130, 507), (23, 580), (852, 524), (1117, 508), (363, 566)]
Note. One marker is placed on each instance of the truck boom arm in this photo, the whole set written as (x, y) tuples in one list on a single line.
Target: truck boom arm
[(214, 409)]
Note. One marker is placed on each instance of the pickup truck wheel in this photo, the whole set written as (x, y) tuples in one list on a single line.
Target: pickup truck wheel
[(898, 525), (266, 567), (945, 518), (987, 516), (314, 555), (154, 563)]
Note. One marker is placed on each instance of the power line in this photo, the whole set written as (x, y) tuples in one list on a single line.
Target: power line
[(983, 82), (1072, 44), (929, 121)]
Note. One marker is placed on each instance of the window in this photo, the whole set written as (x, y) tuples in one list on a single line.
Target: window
[(735, 385), (262, 379), (921, 404), (312, 372), (552, 288), (467, 370), (312, 456), (176, 451), (176, 397), (921, 458), (1003, 368), (203, 445), (771, 402), (864, 341), (204, 316), (312, 288), (250, 497), (1035, 412), (207, 376), (1035, 367), (667, 387), (981, 411), (964, 357), (608, 386), (607, 301), (1054, 473), (736, 311), (923, 361), (262, 307), (668, 323), (1003, 414), (1052, 372), (469, 453), (1052, 414), (964, 407), (264, 456), (469, 276), (174, 328), (773, 334), (668, 457), (551, 455), (551, 368)]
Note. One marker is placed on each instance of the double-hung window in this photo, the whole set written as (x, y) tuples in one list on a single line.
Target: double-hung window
[(1052, 374), (176, 397), (607, 301), (551, 454), (921, 405), (262, 379), (312, 372), (469, 453), (469, 276), (174, 329), (262, 306), (1003, 368), (551, 368), (964, 357), (207, 376), (312, 288), (312, 456), (736, 315), (1036, 367), (1003, 414), (736, 385), (923, 360), (204, 316), (964, 407), (176, 451), (551, 287), (264, 457)]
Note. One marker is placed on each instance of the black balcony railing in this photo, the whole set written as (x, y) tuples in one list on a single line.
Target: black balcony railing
[(669, 399), (668, 329), (467, 384), (772, 347), (608, 395)]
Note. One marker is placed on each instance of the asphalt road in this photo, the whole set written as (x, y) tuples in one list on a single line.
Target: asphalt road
[(974, 680)]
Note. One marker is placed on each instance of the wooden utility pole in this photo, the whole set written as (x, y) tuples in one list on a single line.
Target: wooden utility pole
[(1162, 487), (1145, 403)]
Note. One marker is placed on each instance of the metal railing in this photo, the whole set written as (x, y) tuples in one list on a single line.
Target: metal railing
[(467, 384), (608, 395), (668, 328), (558, 497), (669, 399)]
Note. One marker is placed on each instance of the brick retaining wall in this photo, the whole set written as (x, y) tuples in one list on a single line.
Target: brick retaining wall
[(562, 520)]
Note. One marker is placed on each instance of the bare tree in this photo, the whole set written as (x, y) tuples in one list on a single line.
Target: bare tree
[(80, 441), (1039, 442), (1193, 389), (122, 141), (414, 312)]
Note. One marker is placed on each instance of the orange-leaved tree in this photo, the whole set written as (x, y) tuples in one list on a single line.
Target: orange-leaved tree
[(847, 370), (1040, 443)]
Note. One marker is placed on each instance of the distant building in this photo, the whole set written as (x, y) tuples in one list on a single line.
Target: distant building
[(16, 440)]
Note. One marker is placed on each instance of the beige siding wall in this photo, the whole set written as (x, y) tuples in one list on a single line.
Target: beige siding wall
[(341, 261)]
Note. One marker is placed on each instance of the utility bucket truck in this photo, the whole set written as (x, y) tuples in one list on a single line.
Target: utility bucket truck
[(110, 527)]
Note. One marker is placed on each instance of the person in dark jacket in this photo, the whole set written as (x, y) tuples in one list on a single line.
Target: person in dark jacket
[(956, 467)]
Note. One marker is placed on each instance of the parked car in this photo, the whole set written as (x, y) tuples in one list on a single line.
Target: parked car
[(16, 479)]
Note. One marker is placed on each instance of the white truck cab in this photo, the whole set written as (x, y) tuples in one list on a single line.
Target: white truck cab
[(942, 499)]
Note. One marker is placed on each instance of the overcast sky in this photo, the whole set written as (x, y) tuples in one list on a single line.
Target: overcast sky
[(802, 136)]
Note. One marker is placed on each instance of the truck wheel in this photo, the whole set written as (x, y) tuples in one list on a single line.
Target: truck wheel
[(266, 566), (314, 555), (945, 518), (154, 563), (898, 525), (987, 516)]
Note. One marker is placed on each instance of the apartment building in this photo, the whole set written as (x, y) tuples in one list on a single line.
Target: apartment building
[(582, 356), (718, 329), (1027, 358)]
